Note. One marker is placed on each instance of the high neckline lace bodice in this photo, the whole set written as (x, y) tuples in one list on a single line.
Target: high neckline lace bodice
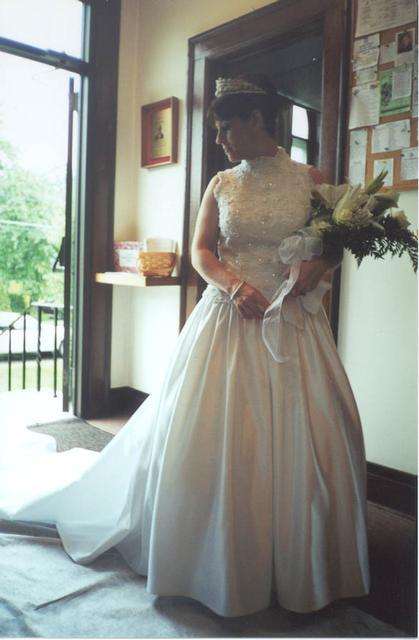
[(261, 201), (263, 161)]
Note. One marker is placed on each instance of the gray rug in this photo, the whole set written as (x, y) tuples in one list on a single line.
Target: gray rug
[(75, 433), (44, 594)]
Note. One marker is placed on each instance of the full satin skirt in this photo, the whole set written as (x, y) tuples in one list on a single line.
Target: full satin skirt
[(238, 476)]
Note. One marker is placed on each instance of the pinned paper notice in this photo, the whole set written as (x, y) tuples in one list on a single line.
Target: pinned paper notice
[(415, 90), (357, 173), (391, 136), (358, 144), (365, 105), (396, 87), (405, 47), (357, 156), (402, 82), (387, 52), (366, 52), (379, 15), (409, 164), (366, 75)]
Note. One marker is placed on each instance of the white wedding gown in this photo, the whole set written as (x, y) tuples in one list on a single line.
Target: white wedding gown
[(241, 474)]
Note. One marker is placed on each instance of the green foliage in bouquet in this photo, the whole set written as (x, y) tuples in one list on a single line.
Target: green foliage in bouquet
[(359, 220)]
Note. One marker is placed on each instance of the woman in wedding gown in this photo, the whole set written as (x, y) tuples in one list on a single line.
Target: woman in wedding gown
[(245, 472)]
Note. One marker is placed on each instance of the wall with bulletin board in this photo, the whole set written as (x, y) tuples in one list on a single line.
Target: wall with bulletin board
[(383, 119)]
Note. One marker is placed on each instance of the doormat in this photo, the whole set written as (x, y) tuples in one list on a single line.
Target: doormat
[(74, 433)]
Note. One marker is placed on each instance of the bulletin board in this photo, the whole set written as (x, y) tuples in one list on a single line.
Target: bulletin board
[(362, 157)]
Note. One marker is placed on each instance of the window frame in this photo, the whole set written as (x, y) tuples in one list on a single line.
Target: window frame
[(313, 134), (94, 236)]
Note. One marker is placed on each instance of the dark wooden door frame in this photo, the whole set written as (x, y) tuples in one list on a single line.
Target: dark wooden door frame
[(93, 302), (260, 29)]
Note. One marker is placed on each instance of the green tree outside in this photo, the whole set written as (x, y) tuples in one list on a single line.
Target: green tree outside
[(31, 227)]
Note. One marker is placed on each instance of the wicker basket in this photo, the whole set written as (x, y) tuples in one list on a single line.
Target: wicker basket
[(156, 263)]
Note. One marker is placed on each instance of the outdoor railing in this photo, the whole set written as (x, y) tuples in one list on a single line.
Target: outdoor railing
[(34, 343)]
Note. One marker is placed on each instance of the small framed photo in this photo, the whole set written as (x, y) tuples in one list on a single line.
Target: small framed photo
[(159, 130), (405, 47)]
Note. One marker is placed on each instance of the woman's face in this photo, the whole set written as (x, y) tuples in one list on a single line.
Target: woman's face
[(236, 138)]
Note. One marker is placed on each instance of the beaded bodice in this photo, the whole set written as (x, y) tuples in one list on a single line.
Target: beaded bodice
[(261, 202)]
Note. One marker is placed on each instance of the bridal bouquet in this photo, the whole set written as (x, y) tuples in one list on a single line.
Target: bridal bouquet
[(360, 220), (342, 217)]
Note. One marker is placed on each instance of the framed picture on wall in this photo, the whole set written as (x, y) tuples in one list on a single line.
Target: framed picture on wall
[(159, 131)]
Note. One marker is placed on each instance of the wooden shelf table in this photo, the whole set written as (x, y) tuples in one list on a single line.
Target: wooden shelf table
[(135, 279)]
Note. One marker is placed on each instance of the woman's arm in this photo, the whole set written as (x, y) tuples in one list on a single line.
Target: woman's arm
[(312, 271), (204, 244), (249, 301)]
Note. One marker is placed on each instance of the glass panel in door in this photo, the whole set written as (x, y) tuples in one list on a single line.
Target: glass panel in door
[(45, 24), (34, 118)]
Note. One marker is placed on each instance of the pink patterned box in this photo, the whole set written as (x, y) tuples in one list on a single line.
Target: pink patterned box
[(125, 255)]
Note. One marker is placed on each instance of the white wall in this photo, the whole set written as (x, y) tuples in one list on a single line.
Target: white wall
[(153, 66), (378, 346), (126, 187)]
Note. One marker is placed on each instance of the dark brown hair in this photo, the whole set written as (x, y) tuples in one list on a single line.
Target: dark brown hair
[(241, 105)]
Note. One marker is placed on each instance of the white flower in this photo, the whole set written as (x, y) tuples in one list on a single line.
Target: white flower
[(351, 199), (330, 194), (361, 217), (343, 216)]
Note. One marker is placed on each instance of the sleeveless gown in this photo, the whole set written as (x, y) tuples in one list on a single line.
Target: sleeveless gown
[(241, 474)]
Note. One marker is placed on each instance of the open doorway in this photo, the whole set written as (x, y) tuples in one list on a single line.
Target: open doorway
[(39, 151), (294, 64)]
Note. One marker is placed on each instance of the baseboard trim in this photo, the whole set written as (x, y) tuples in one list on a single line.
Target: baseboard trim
[(392, 488), (125, 400)]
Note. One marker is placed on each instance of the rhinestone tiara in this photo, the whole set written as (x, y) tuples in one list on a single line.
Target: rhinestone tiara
[(226, 86)]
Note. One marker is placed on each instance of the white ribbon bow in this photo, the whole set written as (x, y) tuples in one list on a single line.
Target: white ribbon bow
[(292, 251)]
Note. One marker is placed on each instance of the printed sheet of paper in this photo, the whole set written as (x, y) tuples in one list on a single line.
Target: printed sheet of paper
[(386, 164), (405, 47), (365, 105), (366, 52), (379, 15), (409, 164), (415, 90), (396, 89), (366, 75), (357, 156), (388, 52), (402, 82), (391, 136)]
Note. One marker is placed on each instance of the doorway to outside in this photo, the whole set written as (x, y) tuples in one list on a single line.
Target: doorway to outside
[(39, 158)]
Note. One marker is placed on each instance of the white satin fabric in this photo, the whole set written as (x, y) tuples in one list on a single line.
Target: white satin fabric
[(292, 251), (240, 474)]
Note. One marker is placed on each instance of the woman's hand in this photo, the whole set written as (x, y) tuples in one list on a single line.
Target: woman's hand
[(311, 272), (250, 303)]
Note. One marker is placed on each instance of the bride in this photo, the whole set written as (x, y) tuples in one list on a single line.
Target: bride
[(245, 473)]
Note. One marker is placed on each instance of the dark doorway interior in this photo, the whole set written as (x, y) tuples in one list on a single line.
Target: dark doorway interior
[(294, 64)]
